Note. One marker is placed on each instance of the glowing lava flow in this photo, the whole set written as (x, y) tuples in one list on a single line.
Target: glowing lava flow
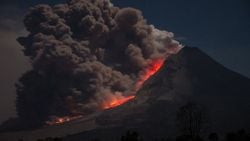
[(61, 120), (114, 102), (150, 70), (117, 99)]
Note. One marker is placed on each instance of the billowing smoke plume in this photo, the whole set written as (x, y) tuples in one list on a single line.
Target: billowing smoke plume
[(83, 53)]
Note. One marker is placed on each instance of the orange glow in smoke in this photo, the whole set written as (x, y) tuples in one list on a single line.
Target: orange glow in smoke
[(119, 99), (150, 70), (116, 101), (61, 120)]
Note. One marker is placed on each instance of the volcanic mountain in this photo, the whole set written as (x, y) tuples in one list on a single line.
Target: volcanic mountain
[(189, 76)]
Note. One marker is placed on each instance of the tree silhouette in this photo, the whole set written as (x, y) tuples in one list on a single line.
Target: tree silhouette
[(50, 139), (188, 138), (131, 136), (192, 119), (241, 135), (213, 137)]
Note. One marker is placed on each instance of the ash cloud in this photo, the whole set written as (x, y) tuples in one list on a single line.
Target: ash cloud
[(83, 52)]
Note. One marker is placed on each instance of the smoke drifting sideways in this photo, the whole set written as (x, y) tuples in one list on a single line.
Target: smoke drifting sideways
[(83, 54)]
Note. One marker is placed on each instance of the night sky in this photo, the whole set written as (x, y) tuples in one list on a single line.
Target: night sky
[(221, 28)]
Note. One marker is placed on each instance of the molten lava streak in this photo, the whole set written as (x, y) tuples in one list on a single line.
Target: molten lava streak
[(144, 75), (61, 120), (150, 70), (114, 102)]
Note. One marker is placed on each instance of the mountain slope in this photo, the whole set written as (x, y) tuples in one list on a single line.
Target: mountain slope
[(190, 75)]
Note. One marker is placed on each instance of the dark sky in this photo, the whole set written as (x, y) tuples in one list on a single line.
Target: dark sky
[(221, 28)]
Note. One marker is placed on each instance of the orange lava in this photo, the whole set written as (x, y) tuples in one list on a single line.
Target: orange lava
[(150, 70), (114, 102), (61, 120)]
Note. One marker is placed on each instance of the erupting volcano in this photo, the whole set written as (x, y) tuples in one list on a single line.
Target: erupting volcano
[(151, 69), (86, 56), (97, 70)]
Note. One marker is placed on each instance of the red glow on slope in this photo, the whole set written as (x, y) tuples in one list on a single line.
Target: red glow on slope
[(117, 99), (114, 102), (150, 70), (61, 120)]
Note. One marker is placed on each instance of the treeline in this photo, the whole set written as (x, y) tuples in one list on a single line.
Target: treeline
[(240, 135)]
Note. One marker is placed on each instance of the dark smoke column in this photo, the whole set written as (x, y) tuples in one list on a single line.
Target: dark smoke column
[(83, 53)]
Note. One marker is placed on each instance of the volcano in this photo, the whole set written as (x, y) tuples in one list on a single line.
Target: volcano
[(189, 76)]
